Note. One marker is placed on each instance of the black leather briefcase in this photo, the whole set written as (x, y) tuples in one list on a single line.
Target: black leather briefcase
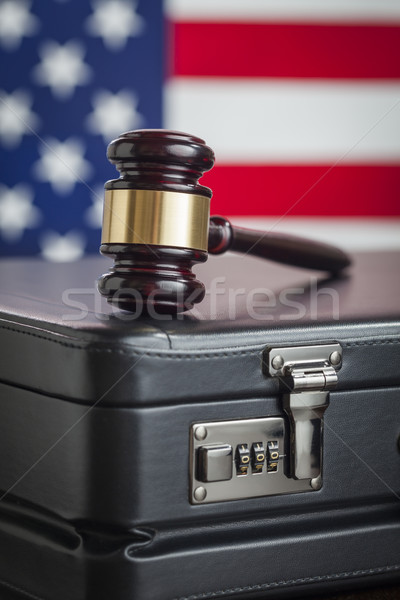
[(248, 449)]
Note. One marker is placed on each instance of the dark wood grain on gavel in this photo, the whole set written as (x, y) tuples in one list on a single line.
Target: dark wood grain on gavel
[(156, 220), (157, 159), (285, 249)]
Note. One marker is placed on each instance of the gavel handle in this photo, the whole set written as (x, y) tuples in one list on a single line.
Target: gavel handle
[(286, 249)]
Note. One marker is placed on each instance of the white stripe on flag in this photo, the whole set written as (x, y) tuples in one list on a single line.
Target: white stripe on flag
[(277, 121), (360, 11)]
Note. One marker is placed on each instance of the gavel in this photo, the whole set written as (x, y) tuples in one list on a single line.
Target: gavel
[(157, 225)]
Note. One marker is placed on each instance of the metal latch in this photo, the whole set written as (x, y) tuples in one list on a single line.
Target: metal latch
[(306, 375)]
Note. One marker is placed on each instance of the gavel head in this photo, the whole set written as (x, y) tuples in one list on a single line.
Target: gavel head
[(155, 222)]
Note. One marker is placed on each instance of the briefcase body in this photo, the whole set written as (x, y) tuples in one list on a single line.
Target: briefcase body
[(247, 449)]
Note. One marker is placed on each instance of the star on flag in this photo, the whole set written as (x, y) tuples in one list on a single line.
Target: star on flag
[(115, 21), (17, 211), (16, 117), (62, 164), (62, 248), (62, 68), (114, 113), (16, 22)]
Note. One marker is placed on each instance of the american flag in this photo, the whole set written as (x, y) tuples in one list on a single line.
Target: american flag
[(300, 100)]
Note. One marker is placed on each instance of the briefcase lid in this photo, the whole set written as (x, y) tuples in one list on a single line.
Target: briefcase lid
[(59, 337)]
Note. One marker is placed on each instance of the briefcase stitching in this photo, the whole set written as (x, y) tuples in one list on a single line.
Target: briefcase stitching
[(10, 586), (169, 355), (250, 588), (290, 582)]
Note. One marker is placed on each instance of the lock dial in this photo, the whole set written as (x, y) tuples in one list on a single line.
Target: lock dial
[(238, 459)]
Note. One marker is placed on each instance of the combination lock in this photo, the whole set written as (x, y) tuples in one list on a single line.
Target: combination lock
[(238, 459)]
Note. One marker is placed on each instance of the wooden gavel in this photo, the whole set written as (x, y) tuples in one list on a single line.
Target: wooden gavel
[(157, 225)]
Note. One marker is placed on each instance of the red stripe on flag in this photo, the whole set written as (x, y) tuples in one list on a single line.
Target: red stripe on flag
[(356, 190), (285, 50)]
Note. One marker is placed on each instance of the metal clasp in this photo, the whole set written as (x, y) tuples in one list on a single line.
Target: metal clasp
[(306, 375)]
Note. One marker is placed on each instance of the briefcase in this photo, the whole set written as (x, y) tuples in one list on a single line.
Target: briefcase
[(246, 449)]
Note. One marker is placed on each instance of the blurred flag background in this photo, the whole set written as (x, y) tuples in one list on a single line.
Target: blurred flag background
[(300, 99)]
